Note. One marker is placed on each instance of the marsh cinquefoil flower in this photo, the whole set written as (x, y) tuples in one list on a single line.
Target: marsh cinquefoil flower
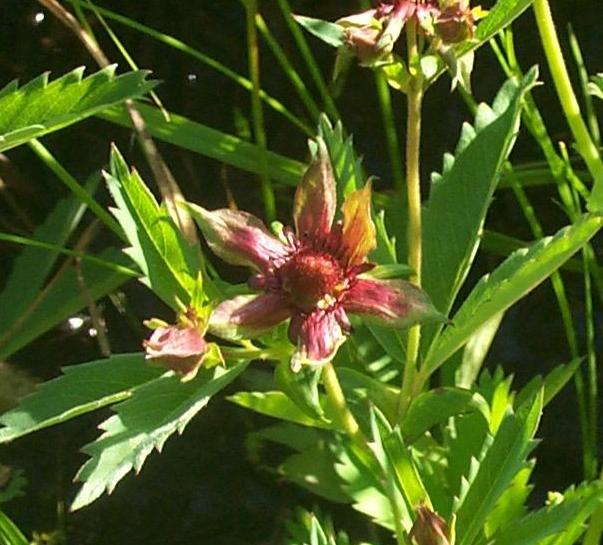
[(314, 275)]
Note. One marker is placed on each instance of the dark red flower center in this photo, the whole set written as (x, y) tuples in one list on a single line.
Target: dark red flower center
[(308, 276)]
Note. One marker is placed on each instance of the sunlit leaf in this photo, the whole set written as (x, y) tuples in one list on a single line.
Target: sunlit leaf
[(41, 107), (81, 389), (515, 277), (144, 423)]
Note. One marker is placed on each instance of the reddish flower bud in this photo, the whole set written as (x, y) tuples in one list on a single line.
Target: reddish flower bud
[(180, 349), (429, 528), (455, 23)]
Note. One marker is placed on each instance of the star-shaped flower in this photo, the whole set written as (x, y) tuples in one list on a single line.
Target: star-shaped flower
[(315, 276)]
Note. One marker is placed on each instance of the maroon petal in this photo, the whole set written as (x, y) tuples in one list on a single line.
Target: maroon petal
[(317, 336), (238, 237), (316, 197), (179, 349), (248, 315), (394, 303)]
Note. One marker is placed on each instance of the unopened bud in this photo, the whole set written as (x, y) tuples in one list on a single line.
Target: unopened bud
[(429, 528)]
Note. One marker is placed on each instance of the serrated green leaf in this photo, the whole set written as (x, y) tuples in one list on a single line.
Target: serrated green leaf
[(81, 389), (169, 264), (330, 33), (461, 195), (512, 503), (41, 107), (65, 297), (552, 520), (277, 405), (33, 265), (552, 382), (503, 460), (144, 423), (437, 406), (223, 147), (347, 167), (514, 278)]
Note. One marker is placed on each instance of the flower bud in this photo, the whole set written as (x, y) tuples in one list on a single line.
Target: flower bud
[(455, 23), (429, 528), (180, 348)]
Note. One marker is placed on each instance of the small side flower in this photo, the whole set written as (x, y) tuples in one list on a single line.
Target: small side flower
[(179, 347)]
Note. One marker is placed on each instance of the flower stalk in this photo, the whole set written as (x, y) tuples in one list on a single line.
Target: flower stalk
[(567, 97), (350, 425), (414, 100), (339, 404)]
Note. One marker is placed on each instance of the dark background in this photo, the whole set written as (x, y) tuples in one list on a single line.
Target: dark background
[(205, 487)]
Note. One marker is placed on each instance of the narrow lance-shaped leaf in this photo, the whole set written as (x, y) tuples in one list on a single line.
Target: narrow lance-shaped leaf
[(144, 423), (168, 263), (81, 389), (41, 107), (223, 147), (461, 195), (66, 297), (33, 265), (10, 533), (515, 277)]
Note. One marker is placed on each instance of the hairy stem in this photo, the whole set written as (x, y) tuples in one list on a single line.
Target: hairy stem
[(567, 97), (414, 99)]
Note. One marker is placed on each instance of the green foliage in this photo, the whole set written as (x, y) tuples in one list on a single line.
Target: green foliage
[(14, 487), (437, 406), (64, 297), (461, 195), (81, 389), (10, 533), (514, 278), (169, 265), (313, 470), (41, 107), (193, 136), (142, 423), (313, 529), (330, 33), (33, 265), (505, 457), (277, 405), (595, 87), (563, 517)]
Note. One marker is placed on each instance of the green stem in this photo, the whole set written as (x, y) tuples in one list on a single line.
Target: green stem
[(344, 415), (414, 99), (389, 126), (348, 423), (253, 52), (567, 97)]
